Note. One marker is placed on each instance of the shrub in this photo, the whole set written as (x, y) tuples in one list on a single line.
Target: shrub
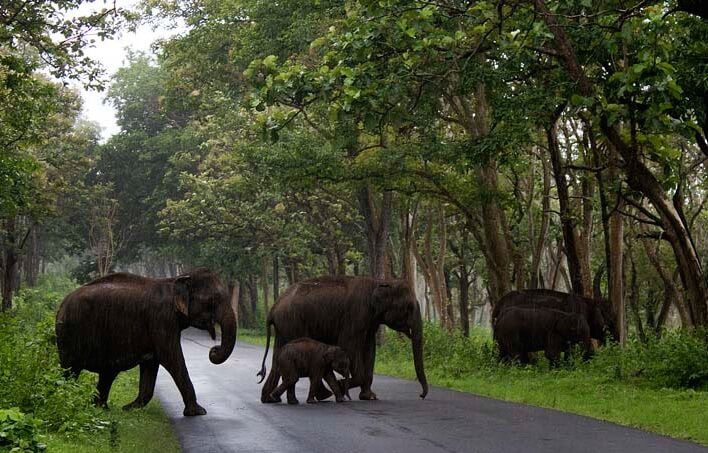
[(18, 431), (679, 359), (451, 353), (30, 376)]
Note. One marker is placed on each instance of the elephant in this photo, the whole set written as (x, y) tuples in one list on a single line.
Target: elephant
[(119, 321), (522, 330), (306, 357), (346, 312), (597, 312)]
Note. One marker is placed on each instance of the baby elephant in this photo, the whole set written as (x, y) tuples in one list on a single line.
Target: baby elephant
[(520, 331), (307, 357)]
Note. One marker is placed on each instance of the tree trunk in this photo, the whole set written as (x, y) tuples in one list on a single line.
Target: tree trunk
[(376, 227), (640, 178), (408, 257), (234, 291), (253, 295), (498, 256), (276, 278), (545, 220), (566, 216), (464, 301), (9, 264), (634, 301), (616, 290), (264, 283)]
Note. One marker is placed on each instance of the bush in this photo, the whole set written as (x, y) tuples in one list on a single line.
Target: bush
[(449, 352), (677, 360), (30, 376), (18, 432)]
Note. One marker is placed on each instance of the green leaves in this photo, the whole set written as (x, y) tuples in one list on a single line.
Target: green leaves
[(18, 432)]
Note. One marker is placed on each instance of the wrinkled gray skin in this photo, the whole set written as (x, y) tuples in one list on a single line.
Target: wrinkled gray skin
[(520, 331), (306, 357), (120, 321)]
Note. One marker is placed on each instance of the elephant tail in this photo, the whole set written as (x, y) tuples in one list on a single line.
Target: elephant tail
[(262, 373)]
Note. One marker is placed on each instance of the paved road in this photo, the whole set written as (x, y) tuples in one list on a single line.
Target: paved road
[(446, 421)]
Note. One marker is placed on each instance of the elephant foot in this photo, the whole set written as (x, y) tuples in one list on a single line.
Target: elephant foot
[(137, 404), (323, 393), (294, 401), (340, 399), (270, 399), (367, 395), (311, 401), (100, 403), (192, 411)]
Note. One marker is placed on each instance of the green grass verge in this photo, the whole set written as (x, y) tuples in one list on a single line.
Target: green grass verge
[(146, 430), (675, 413)]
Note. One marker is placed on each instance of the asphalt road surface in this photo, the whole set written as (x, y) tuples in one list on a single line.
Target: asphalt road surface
[(400, 422)]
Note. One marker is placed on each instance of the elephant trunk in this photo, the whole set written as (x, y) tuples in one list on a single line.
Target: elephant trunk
[(417, 343), (227, 320)]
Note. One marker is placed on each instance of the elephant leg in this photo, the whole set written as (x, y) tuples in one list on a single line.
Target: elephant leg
[(178, 370), (292, 399), (552, 353), (322, 393), (588, 349), (524, 358), (273, 376), (334, 385), (289, 385), (148, 376), (315, 383), (105, 381), (367, 371)]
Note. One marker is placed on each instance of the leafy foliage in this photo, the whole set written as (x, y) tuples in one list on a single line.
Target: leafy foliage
[(676, 360), (18, 432), (31, 378)]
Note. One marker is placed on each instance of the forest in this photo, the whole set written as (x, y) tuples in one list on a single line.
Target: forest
[(469, 147)]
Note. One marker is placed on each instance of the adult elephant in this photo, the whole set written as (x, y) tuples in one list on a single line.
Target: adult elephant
[(597, 312), (117, 322), (345, 311), (522, 330)]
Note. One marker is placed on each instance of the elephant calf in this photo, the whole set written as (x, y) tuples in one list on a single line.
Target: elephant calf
[(519, 331), (306, 357)]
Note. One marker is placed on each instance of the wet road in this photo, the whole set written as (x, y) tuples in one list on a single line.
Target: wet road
[(446, 421)]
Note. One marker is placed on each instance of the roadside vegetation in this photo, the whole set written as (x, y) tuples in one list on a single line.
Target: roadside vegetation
[(659, 386), (41, 409)]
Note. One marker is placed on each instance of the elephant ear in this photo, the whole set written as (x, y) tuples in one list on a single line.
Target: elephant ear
[(182, 294), (569, 323), (381, 295)]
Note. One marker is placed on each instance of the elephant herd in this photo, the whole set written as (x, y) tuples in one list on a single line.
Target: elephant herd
[(320, 326), (533, 320)]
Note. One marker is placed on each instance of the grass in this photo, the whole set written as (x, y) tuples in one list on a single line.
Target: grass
[(600, 389), (675, 413), (145, 430)]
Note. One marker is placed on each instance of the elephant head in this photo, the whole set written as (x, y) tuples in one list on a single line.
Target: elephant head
[(601, 319), (202, 298), (396, 306)]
